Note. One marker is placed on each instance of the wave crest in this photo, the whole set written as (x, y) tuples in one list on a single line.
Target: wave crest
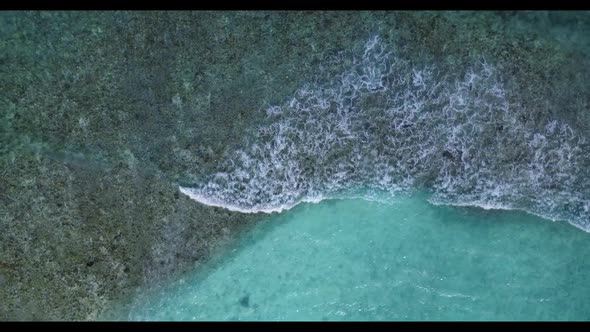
[(373, 120)]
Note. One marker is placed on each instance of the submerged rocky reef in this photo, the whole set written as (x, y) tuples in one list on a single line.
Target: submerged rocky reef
[(104, 114)]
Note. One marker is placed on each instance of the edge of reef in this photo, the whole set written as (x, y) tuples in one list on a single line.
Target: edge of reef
[(105, 113)]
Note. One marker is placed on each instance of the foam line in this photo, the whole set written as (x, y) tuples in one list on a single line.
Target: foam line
[(373, 120)]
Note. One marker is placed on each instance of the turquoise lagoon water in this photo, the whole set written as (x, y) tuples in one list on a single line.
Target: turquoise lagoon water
[(405, 260), (371, 118)]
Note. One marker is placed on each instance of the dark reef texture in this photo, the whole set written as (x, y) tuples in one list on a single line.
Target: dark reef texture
[(103, 114)]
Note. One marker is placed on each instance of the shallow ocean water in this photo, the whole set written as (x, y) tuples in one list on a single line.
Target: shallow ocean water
[(405, 260), (260, 111)]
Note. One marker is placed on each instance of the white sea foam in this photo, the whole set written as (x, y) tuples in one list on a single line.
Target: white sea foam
[(374, 120), (193, 194)]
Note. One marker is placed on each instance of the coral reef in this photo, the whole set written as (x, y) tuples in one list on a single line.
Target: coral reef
[(104, 114)]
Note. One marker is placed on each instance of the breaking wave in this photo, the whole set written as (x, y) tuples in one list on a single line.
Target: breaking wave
[(372, 120)]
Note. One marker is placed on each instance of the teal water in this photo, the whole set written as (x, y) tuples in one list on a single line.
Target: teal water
[(408, 260)]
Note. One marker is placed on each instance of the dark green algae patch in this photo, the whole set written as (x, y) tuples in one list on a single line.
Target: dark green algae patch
[(102, 114)]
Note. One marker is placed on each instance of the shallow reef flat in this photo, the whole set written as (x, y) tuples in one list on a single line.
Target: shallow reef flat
[(104, 114)]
